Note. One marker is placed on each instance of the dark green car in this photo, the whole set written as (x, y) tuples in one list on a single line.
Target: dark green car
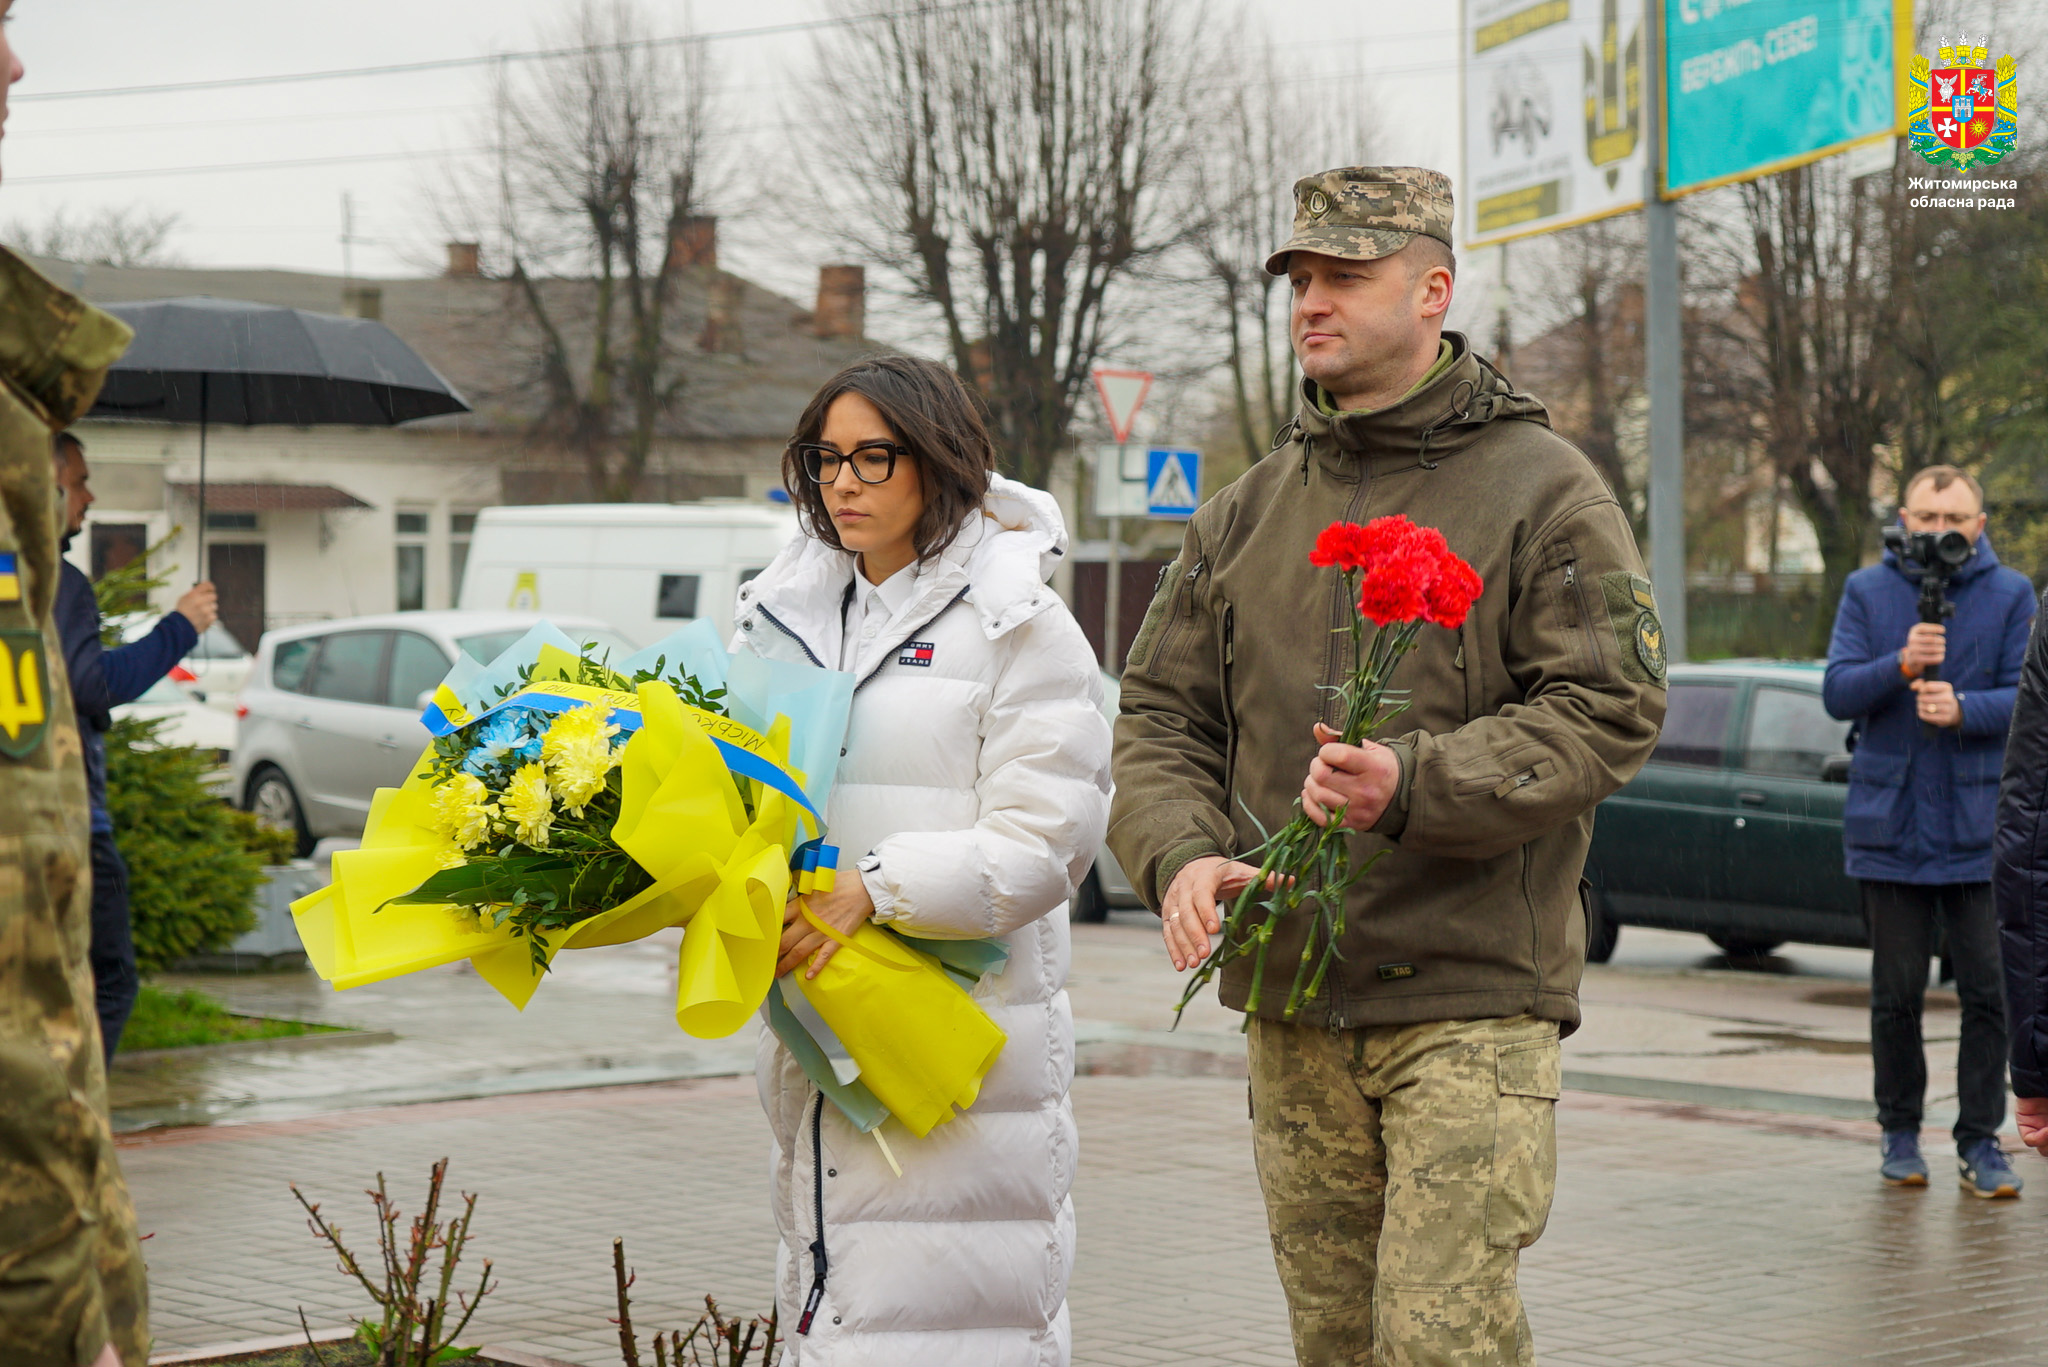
[(1734, 827)]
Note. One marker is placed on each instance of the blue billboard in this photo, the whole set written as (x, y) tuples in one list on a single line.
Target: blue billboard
[(1756, 86)]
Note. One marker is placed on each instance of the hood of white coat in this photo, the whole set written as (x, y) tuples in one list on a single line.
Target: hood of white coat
[(1002, 558)]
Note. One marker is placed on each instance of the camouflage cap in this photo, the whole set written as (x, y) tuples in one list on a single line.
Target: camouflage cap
[(1363, 213)]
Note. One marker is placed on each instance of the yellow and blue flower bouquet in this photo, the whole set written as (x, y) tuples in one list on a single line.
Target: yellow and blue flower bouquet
[(568, 802)]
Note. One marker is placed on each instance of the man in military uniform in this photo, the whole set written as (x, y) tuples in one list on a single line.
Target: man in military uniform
[(71, 1275), (1402, 1120)]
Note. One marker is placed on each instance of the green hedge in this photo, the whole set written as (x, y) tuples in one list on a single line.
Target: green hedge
[(194, 862)]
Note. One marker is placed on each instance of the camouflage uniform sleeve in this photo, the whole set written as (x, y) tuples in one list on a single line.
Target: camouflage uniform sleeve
[(71, 1273)]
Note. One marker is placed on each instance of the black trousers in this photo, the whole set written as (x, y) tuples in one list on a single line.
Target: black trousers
[(1903, 919), (115, 980)]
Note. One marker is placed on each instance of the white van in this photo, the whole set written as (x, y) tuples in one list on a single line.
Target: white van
[(646, 568)]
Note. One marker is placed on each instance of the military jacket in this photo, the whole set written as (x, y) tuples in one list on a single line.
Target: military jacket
[(1546, 700), (71, 1275)]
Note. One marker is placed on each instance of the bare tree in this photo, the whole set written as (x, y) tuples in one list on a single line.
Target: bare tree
[(113, 235), (1266, 131), (1012, 168), (601, 169)]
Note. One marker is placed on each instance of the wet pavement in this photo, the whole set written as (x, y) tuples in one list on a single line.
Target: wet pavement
[(1669, 1019)]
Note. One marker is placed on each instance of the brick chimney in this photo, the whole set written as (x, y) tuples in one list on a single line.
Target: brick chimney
[(696, 242), (463, 261), (362, 301), (842, 302), (722, 317)]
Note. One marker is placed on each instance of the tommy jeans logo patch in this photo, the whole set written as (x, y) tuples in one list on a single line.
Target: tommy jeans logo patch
[(917, 653)]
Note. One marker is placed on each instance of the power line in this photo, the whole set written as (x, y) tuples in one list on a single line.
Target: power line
[(490, 59), (242, 166)]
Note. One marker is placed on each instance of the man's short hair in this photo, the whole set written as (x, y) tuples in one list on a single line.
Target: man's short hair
[(1424, 252), (1941, 476), (63, 444)]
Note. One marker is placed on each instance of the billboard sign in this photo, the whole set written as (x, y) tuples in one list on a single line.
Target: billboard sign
[(1553, 110), (1752, 87)]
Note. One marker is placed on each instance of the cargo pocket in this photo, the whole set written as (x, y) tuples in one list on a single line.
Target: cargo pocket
[(1976, 804), (1524, 1143), (1871, 817)]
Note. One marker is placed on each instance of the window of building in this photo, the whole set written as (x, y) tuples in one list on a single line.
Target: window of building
[(678, 596), (412, 560), (461, 527), (115, 545), (232, 522)]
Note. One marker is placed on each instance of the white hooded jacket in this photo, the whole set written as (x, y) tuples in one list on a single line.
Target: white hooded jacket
[(973, 795)]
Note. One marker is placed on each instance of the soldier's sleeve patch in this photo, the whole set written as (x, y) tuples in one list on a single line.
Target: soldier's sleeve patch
[(1638, 631), (24, 692)]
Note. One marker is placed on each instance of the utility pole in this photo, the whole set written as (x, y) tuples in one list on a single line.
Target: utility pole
[(1665, 368)]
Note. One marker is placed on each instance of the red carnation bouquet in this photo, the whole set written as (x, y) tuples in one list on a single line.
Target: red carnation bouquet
[(1403, 578)]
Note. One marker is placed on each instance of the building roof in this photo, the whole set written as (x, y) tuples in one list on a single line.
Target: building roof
[(475, 331), (262, 496)]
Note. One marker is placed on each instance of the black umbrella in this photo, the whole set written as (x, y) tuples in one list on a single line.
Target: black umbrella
[(209, 360)]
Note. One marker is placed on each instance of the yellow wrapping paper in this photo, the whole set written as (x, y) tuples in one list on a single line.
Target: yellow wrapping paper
[(723, 877), (922, 1044)]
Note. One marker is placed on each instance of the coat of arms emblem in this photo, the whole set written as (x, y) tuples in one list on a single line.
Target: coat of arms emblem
[(1966, 110)]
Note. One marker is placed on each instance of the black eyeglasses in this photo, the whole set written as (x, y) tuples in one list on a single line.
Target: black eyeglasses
[(873, 461)]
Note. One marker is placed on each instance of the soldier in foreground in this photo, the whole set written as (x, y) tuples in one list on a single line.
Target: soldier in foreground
[(71, 1275), (1402, 1122)]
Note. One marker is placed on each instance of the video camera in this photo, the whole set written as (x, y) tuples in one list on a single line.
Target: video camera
[(1937, 556)]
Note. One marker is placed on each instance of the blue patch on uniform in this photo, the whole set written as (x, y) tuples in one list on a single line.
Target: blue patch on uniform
[(917, 653)]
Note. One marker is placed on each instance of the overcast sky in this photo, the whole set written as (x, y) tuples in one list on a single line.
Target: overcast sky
[(384, 139)]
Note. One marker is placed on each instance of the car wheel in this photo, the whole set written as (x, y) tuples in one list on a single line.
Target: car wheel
[(1088, 905), (1602, 934), (274, 802), (1744, 946)]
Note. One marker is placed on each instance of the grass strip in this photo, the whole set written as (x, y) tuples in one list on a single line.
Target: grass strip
[(180, 1020)]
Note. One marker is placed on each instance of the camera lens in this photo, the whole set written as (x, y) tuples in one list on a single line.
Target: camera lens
[(1951, 548)]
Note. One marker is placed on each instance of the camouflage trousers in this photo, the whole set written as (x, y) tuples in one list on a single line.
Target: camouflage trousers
[(1405, 1168)]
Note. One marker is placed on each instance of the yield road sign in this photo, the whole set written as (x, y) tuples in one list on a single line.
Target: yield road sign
[(1123, 394), (1173, 482)]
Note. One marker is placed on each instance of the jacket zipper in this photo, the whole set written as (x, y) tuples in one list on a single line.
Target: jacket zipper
[(1183, 598), (915, 632), (1229, 714), (817, 1250), (1585, 632), (809, 654)]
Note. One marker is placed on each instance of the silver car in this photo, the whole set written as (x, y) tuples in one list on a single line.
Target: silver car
[(331, 711)]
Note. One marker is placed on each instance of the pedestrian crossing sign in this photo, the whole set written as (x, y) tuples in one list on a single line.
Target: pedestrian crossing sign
[(1173, 482)]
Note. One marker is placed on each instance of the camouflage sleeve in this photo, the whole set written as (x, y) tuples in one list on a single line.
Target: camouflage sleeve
[(53, 1308)]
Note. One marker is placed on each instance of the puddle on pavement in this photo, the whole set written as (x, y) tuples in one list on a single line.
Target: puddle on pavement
[(1790, 1040), (1859, 998)]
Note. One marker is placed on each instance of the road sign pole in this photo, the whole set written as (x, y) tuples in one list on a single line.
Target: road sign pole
[(1664, 344), (1112, 593)]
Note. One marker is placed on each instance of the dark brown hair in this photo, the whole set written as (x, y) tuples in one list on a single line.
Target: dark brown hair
[(933, 416), (1941, 476)]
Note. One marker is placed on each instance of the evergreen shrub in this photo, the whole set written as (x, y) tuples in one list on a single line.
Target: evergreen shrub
[(194, 862)]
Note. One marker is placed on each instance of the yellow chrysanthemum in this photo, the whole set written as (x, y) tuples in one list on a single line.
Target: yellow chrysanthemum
[(578, 752), (461, 812), (530, 806)]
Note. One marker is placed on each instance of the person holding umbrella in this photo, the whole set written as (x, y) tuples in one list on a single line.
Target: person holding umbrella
[(71, 1275), (102, 680)]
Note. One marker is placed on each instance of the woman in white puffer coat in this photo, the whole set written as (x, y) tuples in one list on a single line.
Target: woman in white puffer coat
[(970, 800)]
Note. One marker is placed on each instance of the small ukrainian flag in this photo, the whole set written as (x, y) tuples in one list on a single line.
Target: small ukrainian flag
[(10, 578)]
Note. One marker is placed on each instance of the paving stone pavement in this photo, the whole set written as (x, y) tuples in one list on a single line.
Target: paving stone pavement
[(1680, 1235)]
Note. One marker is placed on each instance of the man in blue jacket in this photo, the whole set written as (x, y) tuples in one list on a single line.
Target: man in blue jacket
[(1916, 829), (102, 680)]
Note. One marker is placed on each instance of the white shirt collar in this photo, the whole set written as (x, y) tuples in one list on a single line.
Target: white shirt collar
[(893, 594)]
